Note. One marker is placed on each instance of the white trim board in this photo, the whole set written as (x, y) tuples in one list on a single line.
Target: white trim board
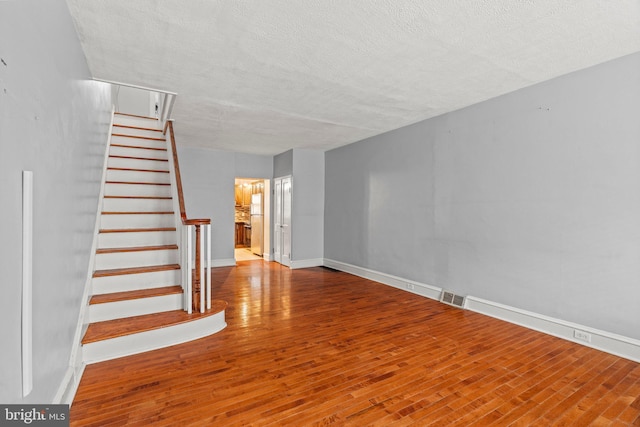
[(412, 286), (228, 262), (306, 263), (27, 283), (608, 342), (69, 386)]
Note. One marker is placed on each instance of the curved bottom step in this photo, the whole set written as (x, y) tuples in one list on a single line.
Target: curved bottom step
[(124, 337)]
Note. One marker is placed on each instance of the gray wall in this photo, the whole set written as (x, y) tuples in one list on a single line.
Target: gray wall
[(208, 183), (208, 180), (307, 205), (54, 122), (306, 167), (283, 164), (530, 199), (131, 100)]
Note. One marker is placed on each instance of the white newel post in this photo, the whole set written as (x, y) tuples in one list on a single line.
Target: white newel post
[(186, 261), (201, 266), (208, 259)]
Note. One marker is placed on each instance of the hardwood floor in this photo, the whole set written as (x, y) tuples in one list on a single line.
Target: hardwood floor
[(320, 347)]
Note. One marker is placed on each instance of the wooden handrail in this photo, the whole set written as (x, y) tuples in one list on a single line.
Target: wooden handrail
[(197, 222), (176, 166)]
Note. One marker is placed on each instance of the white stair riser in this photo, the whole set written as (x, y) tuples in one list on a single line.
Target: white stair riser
[(137, 132), (140, 142), (118, 162), (137, 152), (127, 240), (137, 221), (135, 259), (137, 307), (137, 176), (133, 282), (136, 121), (137, 205), (151, 340), (137, 190)]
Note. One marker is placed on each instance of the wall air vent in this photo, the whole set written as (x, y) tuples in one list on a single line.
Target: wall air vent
[(450, 298)]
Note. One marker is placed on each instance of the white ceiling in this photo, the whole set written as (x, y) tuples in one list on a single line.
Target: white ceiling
[(266, 76)]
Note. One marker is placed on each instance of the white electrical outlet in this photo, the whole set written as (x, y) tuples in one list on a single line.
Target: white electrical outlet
[(582, 335), (411, 286)]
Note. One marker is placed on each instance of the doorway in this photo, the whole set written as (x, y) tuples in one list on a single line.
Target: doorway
[(282, 220), (250, 230)]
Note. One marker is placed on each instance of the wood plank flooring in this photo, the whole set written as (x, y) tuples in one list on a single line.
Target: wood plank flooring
[(320, 347)]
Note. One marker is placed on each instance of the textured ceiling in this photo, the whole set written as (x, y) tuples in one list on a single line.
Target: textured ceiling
[(266, 76)]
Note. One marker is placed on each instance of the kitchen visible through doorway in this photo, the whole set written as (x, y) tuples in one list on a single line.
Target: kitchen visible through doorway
[(249, 216)]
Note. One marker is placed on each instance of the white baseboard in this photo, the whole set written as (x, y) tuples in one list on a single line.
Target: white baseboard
[(266, 257), (608, 342), (618, 345), (412, 286), (64, 387), (306, 263), (69, 385), (229, 262)]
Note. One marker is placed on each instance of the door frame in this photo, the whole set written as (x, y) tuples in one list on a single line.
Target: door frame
[(279, 214)]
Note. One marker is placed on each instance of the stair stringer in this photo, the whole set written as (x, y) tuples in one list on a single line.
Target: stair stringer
[(71, 380)]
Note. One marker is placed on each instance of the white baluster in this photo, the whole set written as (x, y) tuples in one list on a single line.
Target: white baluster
[(188, 263), (208, 275), (202, 279)]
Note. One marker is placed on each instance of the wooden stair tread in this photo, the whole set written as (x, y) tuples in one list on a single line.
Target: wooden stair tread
[(139, 136), (136, 183), (139, 147), (137, 294), (100, 331), (139, 197), (136, 230), (138, 213), (136, 127), (135, 115), (138, 170), (137, 249), (136, 158), (135, 270)]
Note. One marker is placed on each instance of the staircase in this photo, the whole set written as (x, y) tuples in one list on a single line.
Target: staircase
[(137, 301)]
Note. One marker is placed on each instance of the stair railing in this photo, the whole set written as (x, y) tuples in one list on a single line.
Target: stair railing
[(164, 99), (196, 278)]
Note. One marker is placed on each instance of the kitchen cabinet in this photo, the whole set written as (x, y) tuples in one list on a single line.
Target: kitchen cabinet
[(246, 195), (240, 234), (243, 194), (247, 235), (238, 195)]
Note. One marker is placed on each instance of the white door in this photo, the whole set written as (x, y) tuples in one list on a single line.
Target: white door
[(286, 221), (277, 220), (282, 221)]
